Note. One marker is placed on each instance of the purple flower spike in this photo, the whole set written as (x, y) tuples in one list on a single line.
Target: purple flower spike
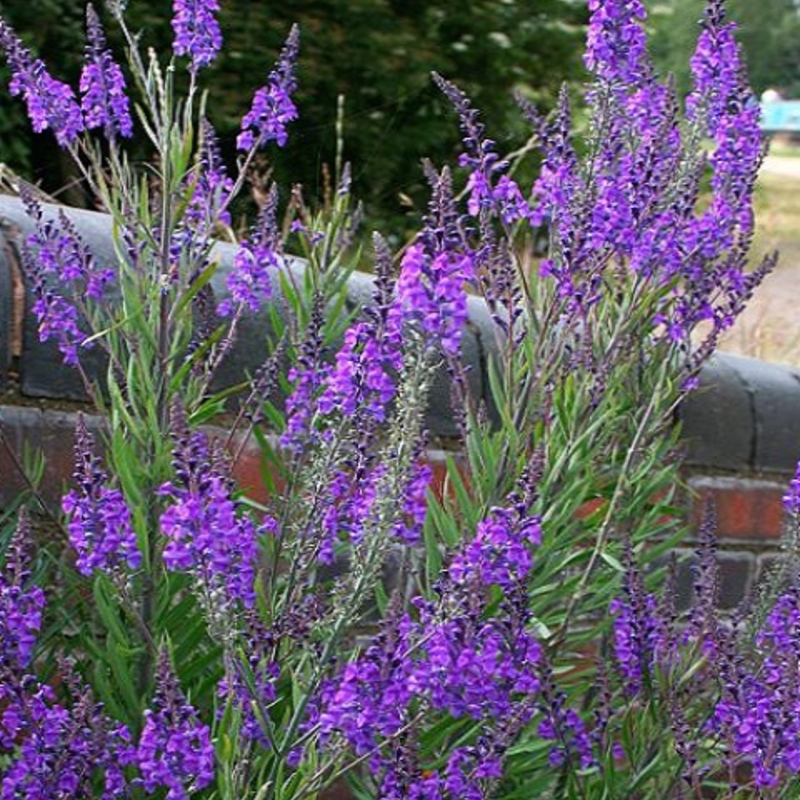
[(99, 520), (431, 291), (175, 750), (197, 32), (205, 535), (716, 66), (21, 604), (51, 103), (616, 42), (272, 107), (249, 282), (105, 104)]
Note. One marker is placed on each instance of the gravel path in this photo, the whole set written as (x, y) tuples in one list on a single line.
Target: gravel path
[(782, 165)]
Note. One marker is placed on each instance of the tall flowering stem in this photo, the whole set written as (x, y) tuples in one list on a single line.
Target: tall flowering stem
[(105, 103), (99, 520), (197, 31), (273, 107), (51, 103)]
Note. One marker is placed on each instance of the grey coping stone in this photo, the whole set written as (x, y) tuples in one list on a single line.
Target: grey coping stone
[(775, 399), (746, 416), (717, 420)]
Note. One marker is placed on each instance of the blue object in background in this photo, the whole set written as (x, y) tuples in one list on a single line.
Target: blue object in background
[(779, 116)]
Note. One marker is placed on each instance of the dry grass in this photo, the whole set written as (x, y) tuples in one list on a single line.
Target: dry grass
[(770, 327)]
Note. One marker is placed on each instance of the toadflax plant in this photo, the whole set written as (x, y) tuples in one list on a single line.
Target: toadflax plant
[(355, 631)]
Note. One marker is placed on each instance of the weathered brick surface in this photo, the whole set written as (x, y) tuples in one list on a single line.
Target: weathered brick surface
[(746, 508), (736, 575)]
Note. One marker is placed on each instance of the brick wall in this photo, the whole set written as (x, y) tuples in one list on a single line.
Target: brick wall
[(741, 428)]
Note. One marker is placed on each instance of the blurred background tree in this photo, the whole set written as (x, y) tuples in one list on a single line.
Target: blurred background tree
[(377, 54)]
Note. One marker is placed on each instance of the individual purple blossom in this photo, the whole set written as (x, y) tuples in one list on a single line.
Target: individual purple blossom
[(58, 318), (490, 189), (98, 517), (363, 377), (616, 41), (205, 533), (21, 602), (349, 501), (207, 190), (105, 103), (415, 504), (197, 31), (51, 103), (272, 107), (55, 253), (213, 185), (636, 633), (175, 750)]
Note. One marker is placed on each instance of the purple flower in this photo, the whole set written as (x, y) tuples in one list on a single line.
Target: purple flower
[(415, 504), (60, 752), (21, 603), (58, 318), (272, 107), (51, 103), (791, 500), (59, 250), (249, 282), (56, 252), (716, 67), (500, 551), (454, 658), (489, 189), (430, 291), (213, 186), (175, 750), (207, 189), (197, 32), (205, 535), (616, 42), (758, 714), (98, 517), (102, 84), (307, 377), (363, 377), (370, 699)]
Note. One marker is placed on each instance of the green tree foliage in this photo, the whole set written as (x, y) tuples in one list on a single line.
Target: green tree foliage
[(769, 31), (377, 54)]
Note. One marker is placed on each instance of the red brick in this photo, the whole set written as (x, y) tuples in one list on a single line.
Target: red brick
[(746, 508)]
